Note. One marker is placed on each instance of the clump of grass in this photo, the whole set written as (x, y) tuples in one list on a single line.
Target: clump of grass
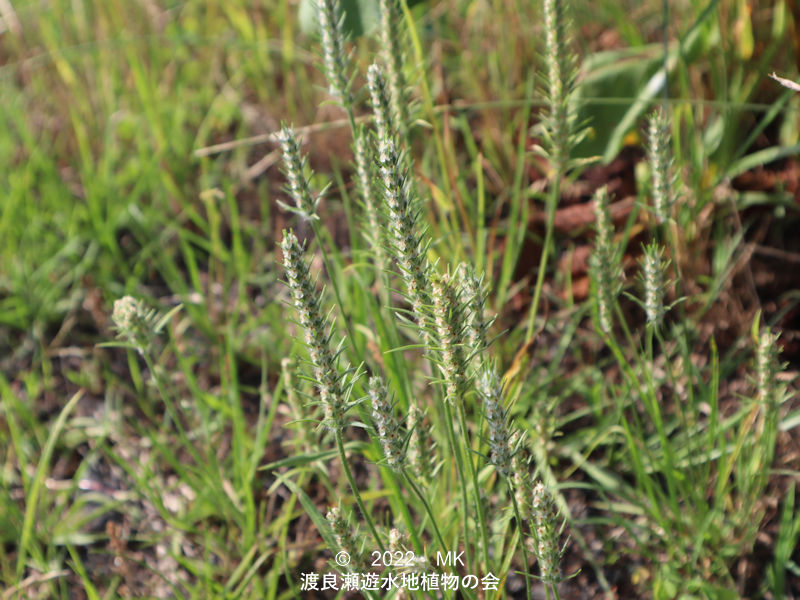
[(677, 450), (446, 310), (437, 475), (441, 313)]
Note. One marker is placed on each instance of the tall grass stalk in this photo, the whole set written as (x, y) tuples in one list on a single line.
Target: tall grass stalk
[(408, 250), (558, 128), (334, 389)]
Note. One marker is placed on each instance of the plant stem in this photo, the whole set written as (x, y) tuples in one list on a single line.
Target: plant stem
[(334, 283), (456, 452), (427, 506), (552, 202), (521, 538), (476, 488), (354, 488)]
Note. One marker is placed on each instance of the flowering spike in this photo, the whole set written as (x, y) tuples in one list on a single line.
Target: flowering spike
[(418, 448), (449, 324), (661, 166), (491, 392), (653, 268), (391, 49), (405, 239), (295, 168), (374, 224), (603, 263), (474, 295), (385, 423), (546, 532), (767, 366), (342, 532), (317, 337), (560, 83), (135, 322), (331, 19), (385, 123), (523, 488)]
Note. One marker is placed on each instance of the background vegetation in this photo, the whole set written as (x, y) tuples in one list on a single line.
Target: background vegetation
[(114, 182)]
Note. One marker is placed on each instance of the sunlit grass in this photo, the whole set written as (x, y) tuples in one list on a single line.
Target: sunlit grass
[(105, 106)]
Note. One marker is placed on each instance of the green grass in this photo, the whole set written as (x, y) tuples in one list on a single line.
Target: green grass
[(203, 452)]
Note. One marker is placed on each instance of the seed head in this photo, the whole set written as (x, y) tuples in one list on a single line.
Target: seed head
[(653, 268), (386, 424), (134, 322), (374, 223), (604, 262), (560, 83), (546, 533), (405, 246), (419, 449), (448, 318), (474, 296), (491, 392), (343, 534), (298, 182), (523, 488), (392, 53), (334, 55), (385, 123), (661, 166), (767, 366), (317, 337)]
